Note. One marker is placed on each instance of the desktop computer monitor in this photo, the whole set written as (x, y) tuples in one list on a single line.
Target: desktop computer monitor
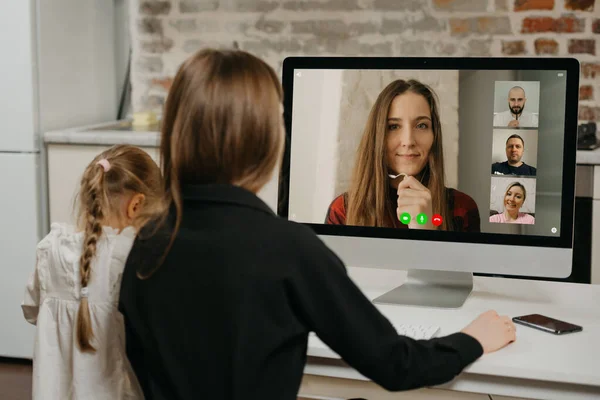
[(443, 167)]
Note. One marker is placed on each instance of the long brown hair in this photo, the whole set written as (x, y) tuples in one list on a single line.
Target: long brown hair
[(369, 193), (130, 171), (222, 124)]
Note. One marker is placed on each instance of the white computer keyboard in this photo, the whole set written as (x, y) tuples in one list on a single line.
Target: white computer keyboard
[(416, 332)]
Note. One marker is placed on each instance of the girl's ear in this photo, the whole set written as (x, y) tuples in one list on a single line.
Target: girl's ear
[(135, 204)]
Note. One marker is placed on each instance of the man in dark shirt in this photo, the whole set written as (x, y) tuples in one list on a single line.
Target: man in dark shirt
[(513, 165)]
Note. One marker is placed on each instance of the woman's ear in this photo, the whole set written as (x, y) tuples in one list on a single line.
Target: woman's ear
[(135, 204)]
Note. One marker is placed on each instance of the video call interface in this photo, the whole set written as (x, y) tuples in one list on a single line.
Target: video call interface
[(462, 151)]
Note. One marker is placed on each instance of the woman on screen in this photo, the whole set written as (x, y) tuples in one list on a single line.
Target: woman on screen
[(399, 169), (514, 197)]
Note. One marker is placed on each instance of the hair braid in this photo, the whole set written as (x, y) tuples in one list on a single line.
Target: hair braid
[(93, 231)]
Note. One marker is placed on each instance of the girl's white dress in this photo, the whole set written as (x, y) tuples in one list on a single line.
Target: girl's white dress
[(60, 370)]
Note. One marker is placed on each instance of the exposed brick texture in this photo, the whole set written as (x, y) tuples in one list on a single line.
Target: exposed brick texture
[(587, 113), (194, 6), (581, 5), (546, 47), (590, 70), (150, 64), (150, 26), (582, 46), (184, 25), (329, 5), (524, 5), (460, 5), (513, 47), (565, 24), (165, 32), (586, 92), (480, 25), (157, 46), (255, 5), (502, 5), (426, 23), (395, 5), (164, 83), (155, 7)]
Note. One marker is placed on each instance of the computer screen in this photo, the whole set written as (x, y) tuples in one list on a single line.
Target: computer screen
[(493, 150), (434, 151)]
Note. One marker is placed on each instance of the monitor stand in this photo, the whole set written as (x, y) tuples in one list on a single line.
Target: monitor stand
[(441, 289)]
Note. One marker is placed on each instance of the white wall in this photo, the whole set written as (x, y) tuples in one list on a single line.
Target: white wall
[(122, 47), (327, 152), (499, 185), (530, 137), (313, 157), (18, 83), (532, 92), (76, 63)]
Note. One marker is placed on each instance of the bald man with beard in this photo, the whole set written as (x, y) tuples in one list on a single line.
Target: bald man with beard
[(516, 116)]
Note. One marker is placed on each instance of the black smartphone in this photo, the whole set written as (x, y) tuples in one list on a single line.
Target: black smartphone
[(547, 324)]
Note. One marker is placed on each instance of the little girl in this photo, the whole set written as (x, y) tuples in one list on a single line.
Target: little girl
[(72, 296)]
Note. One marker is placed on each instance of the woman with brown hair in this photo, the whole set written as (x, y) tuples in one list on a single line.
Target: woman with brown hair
[(400, 168), (220, 294)]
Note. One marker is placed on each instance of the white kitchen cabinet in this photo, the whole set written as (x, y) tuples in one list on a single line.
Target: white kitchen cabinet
[(66, 163), (323, 387)]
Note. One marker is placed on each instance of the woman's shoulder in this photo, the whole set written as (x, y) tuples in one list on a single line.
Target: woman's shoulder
[(303, 245), (339, 202), (497, 218), (336, 212), (461, 199), (527, 218)]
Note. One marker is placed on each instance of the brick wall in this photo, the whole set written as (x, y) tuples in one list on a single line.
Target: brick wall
[(165, 32)]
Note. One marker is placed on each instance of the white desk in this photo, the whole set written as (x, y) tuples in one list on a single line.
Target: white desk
[(538, 365)]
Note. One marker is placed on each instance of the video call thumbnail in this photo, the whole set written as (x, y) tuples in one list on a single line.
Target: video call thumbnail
[(512, 200), (393, 148), (514, 153), (516, 104)]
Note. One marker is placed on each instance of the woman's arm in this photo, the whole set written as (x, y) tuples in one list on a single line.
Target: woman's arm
[(465, 210), (336, 213), (331, 305)]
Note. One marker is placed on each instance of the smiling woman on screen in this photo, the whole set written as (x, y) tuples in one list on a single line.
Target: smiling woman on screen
[(400, 168)]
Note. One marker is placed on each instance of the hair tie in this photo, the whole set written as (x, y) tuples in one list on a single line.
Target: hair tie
[(105, 164), (84, 292)]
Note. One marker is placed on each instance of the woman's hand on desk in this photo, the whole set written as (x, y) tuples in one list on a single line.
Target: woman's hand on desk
[(492, 331)]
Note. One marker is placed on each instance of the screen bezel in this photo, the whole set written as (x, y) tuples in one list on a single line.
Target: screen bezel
[(569, 65)]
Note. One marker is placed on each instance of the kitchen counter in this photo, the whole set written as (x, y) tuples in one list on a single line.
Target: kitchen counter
[(589, 157), (121, 132), (107, 134)]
